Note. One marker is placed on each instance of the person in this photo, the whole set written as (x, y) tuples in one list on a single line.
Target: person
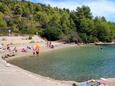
[(104, 82), (14, 50), (47, 44), (37, 51), (74, 84), (28, 47), (1, 46), (23, 50), (34, 51), (101, 48), (8, 47), (50, 44)]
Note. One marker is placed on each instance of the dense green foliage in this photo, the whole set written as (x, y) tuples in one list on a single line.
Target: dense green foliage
[(53, 23)]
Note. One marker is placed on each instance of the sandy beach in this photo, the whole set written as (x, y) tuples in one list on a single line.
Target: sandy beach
[(11, 75)]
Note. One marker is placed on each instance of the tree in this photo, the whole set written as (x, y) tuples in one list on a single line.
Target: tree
[(103, 31), (3, 8), (54, 23), (86, 26), (80, 15), (42, 18), (18, 9), (2, 21), (83, 12), (52, 33), (65, 23), (25, 12), (103, 19)]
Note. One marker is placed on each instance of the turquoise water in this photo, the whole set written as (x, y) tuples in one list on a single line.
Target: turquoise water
[(78, 64)]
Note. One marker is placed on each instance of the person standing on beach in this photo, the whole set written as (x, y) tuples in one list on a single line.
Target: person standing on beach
[(36, 49), (50, 44), (47, 44)]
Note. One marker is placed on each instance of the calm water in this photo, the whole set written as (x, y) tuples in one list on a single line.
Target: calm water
[(79, 64)]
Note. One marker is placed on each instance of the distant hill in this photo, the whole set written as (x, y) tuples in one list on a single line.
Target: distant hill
[(24, 17)]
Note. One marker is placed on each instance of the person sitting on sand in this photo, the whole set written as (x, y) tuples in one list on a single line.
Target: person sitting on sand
[(8, 47), (1, 46), (4, 57), (23, 50), (10, 54), (74, 84), (14, 50), (28, 47), (52, 46)]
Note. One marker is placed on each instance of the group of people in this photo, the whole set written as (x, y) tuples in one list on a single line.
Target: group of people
[(49, 44), (102, 82), (11, 51), (35, 49), (14, 50)]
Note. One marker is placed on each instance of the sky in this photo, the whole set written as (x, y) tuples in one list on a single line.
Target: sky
[(100, 8)]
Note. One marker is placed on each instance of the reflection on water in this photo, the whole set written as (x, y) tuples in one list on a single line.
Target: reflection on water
[(79, 64)]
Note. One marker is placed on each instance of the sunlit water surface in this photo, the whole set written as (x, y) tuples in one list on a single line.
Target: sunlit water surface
[(78, 64)]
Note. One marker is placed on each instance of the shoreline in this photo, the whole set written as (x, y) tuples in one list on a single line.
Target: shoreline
[(37, 76), (43, 50), (58, 48), (15, 70), (103, 43)]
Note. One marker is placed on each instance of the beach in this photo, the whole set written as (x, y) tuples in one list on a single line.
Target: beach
[(11, 75)]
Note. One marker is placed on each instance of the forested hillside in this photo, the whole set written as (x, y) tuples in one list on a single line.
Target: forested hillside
[(80, 25)]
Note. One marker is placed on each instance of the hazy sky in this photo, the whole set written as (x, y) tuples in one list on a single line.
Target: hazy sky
[(98, 7)]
